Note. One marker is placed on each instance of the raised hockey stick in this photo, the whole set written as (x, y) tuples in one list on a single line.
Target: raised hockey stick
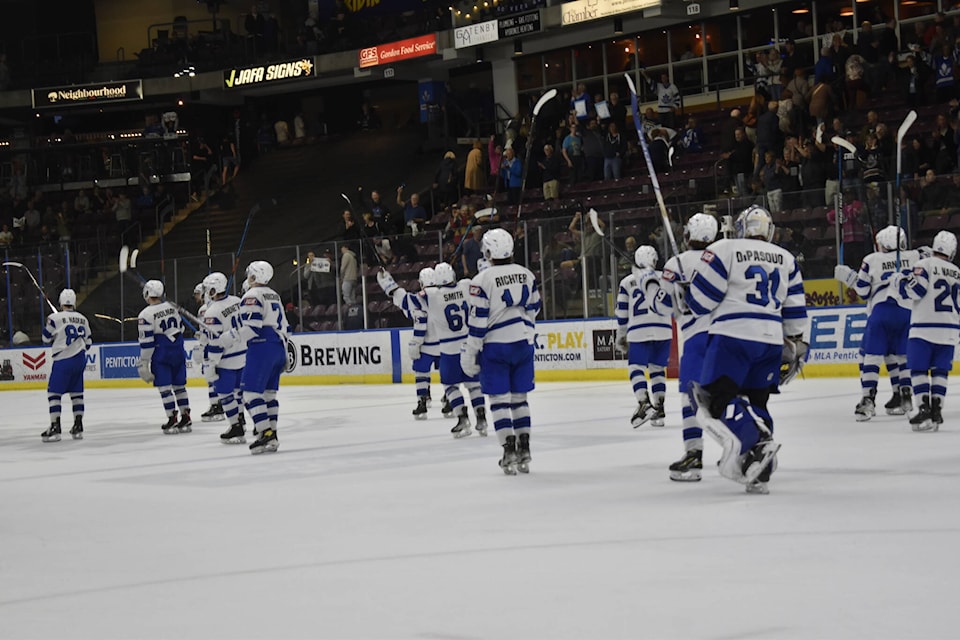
[(22, 267), (254, 210), (840, 144), (544, 99), (595, 222), (664, 215), (363, 232), (901, 134), (128, 267), (489, 212)]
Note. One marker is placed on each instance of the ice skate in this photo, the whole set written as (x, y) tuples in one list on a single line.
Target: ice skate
[(758, 461), (922, 420), (936, 415), (689, 468), (233, 435), (171, 425), (462, 429), (644, 413), (186, 424), (53, 433), (660, 416), (894, 405), (420, 413), (866, 408), (481, 425), (758, 488), (446, 409), (266, 443), (523, 453), (76, 431), (906, 400), (509, 460), (213, 414)]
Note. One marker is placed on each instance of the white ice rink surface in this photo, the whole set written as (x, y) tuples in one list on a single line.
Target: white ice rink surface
[(368, 524)]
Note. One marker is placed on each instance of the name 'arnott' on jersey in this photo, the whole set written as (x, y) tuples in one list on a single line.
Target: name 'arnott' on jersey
[(219, 316), (752, 289), (873, 279)]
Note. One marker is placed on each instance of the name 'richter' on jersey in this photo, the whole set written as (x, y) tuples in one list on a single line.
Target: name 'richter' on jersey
[(262, 311), (219, 316), (504, 302)]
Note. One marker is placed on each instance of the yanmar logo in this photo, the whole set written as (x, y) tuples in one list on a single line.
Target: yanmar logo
[(34, 363)]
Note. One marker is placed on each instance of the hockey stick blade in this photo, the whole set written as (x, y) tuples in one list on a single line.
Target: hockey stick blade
[(23, 267), (544, 99), (485, 213), (843, 142), (632, 87), (905, 125), (124, 257), (133, 258), (349, 201), (594, 220)]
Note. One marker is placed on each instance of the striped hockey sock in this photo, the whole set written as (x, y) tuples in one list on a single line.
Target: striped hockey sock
[(423, 385), (658, 383), (870, 373), (638, 378), (502, 414), (938, 386), (921, 385), (76, 401), (183, 402), (476, 395), (692, 433), (521, 413), (169, 403), (257, 408), (230, 408), (455, 396), (53, 401), (273, 407)]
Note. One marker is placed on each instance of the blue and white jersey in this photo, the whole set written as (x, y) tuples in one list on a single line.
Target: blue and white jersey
[(261, 316), (219, 316), (413, 305), (504, 303), (873, 280), (934, 290), (635, 314), (752, 290), (68, 332), (160, 327), (672, 294), (445, 315)]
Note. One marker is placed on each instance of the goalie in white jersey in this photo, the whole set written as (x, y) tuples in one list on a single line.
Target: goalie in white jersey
[(753, 292), (68, 332), (888, 320), (700, 231), (504, 303), (224, 365), (933, 287), (263, 331), (215, 412), (424, 350), (163, 361)]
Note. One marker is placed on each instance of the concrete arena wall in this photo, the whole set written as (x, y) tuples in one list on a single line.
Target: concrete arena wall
[(566, 350)]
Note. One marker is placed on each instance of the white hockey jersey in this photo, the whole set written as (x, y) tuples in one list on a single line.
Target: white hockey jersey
[(934, 292), (261, 316), (873, 280), (219, 316), (752, 289), (160, 327), (444, 316), (672, 295), (504, 303), (414, 305), (635, 314), (68, 332)]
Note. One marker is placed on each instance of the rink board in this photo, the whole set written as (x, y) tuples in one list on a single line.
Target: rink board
[(567, 350)]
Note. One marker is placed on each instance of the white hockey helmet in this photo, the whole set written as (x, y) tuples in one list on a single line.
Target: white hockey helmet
[(645, 256), (755, 222), (945, 243), (215, 284), (152, 289), (497, 245), (428, 277), (701, 227), (887, 238), (482, 265), (259, 272), (198, 290), (444, 273), (68, 298)]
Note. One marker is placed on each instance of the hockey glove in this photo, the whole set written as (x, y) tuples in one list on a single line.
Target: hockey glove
[(845, 274), (413, 350), (925, 251), (386, 282), (794, 356), (143, 370), (228, 338), (197, 355), (621, 343), (210, 374), (469, 361)]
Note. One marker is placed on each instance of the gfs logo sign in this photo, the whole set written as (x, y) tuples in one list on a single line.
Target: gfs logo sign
[(369, 57)]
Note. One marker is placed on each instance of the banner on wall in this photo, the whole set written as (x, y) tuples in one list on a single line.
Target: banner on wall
[(585, 10), (397, 51), (472, 35), (87, 94), (827, 292), (300, 69)]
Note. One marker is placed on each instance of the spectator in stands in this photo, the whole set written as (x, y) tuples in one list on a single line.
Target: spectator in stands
[(728, 130), (6, 237), (870, 126), (692, 139), (613, 151), (47, 235), (445, 180), (414, 215), (873, 166), (255, 25), (550, 172), (494, 157), (471, 252), (299, 129), (369, 227), (886, 144), (81, 202), (942, 64), (473, 173), (769, 137), (916, 158), (123, 212), (266, 137), (573, 153), (618, 111), (63, 228), (934, 195), (660, 151), (813, 170), (199, 165), (822, 102), (593, 151), (349, 274), (381, 212), (770, 173), (740, 160), (512, 174), (581, 103), (229, 161), (877, 207), (348, 226), (369, 120), (97, 200), (852, 228), (825, 69), (914, 81), (282, 131), (457, 224), (32, 221)]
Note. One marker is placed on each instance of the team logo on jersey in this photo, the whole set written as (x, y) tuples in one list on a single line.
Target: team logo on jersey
[(250, 300), (707, 256), (291, 356), (142, 321), (34, 363), (918, 271), (668, 275), (474, 290)]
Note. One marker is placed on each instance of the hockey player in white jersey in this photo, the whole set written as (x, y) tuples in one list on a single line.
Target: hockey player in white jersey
[(888, 321), (701, 230), (224, 364), (163, 361), (215, 412), (444, 315), (753, 292), (933, 287), (504, 303), (263, 331), (424, 349), (68, 332), (645, 336)]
